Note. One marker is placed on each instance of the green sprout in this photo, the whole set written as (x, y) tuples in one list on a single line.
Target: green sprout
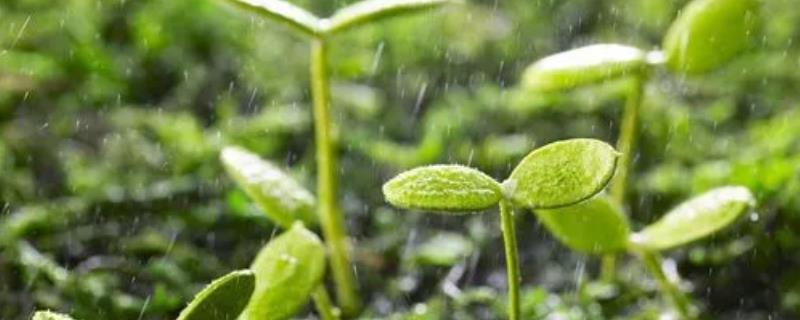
[(706, 35), (556, 175), (320, 31), (599, 226), (297, 256)]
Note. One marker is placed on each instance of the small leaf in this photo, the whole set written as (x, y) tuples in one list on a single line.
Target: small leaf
[(561, 174), (709, 33), (283, 12), (276, 193), (371, 10), (594, 226), (49, 315), (695, 219), (442, 188), (287, 270), (577, 67), (444, 249), (222, 299)]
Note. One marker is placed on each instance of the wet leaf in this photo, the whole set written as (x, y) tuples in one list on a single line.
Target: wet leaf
[(442, 188), (561, 174), (222, 299), (592, 226), (276, 193), (282, 12), (372, 10), (709, 33), (590, 64), (696, 218), (49, 315), (444, 249), (287, 270)]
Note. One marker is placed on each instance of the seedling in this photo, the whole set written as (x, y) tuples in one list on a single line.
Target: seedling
[(289, 269), (320, 31), (598, 226), (223, 299), (706, 35), (556, 175)]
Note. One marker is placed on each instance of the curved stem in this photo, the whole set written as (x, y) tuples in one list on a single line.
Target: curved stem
[(322, 301), (653, 262), (625, 144), (330, 216), (512, 264)]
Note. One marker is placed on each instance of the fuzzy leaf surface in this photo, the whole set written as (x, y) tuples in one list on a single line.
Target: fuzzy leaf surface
[(443, 188), (561, 174)]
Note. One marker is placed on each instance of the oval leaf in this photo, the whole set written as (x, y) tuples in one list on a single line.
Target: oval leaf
[(222, 299), (594, 226), (283, 12), (287, 269), (577, 67), (561, 174), (49, 315), (442, 188), (695, 219), (709, 33), (371, 10), (276, 193)]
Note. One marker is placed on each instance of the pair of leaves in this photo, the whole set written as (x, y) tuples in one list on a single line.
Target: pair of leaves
[(706, 35), (278, 283), (276, 193), (357, 14), (555, 175), (599, 226)]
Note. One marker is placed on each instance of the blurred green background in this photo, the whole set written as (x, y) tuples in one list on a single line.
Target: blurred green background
[(114, 204)]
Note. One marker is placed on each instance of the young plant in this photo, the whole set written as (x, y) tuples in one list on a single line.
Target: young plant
[(49, 315), (706, 35), (599, 226), (556, 175), (290, 268), (320, 31)]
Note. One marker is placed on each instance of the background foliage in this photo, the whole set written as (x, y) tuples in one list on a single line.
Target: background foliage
[(115, 206)]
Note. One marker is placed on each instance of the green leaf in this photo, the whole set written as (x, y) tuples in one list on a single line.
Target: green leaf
[(444, 249), (287, 270), (561, 173), (223, 299), (283, 12), (709, 33), (276, 193), (442, 188), (49, 315), (593, 226), (577, 67), (695, 219), (371, 10)]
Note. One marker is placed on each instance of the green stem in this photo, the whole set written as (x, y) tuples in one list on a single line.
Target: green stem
[(682, 304), (625, 144), (330, 216), (512, 264), (325, 308)]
